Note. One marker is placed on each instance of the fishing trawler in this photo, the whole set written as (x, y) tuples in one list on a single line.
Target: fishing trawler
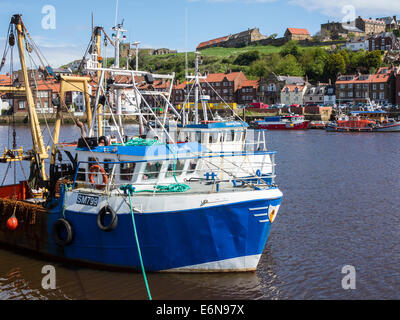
[(141, 203)]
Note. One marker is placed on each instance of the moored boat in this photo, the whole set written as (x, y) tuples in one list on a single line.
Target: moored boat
[(364, 121), (293, 122), (151, 203)]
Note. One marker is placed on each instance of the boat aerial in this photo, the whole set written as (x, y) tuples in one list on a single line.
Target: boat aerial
[(148, 202)]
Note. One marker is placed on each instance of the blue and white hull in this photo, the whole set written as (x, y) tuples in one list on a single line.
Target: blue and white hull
[(213, 233)]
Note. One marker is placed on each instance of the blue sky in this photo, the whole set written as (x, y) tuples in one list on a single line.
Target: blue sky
[(161, 23)]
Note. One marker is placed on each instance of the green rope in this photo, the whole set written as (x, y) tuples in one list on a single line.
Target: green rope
[(139, 142), (130, 189), (177, 187)]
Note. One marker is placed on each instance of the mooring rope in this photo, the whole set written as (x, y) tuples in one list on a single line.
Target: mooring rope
[(129, 189)]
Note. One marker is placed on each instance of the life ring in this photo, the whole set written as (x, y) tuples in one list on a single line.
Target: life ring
[(107, 210), (62, 232), (96, 168)]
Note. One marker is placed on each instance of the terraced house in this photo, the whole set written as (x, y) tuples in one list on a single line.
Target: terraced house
[(379, 87), (247, 92), (270, 88), (294, 94)]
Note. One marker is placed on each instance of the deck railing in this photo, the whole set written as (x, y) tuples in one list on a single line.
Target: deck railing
[(182, 168)]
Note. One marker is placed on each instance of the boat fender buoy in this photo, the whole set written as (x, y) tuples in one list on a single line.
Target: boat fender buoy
[(107, 210), (12, 223), (62, 232), (96, 168)]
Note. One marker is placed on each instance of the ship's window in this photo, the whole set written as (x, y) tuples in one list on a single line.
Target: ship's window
[(107, 166), (192, 165), (152, 170), (126, 171), (179, 165), (81, 175)]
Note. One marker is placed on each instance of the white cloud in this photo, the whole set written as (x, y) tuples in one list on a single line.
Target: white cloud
[(366, 8)]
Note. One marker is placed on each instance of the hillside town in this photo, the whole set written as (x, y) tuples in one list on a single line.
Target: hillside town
[(381, 87)]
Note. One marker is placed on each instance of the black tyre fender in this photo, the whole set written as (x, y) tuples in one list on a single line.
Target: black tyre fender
[(58, 226), (101, 216)]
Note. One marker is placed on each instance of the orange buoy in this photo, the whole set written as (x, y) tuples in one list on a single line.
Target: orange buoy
[(12, 223)]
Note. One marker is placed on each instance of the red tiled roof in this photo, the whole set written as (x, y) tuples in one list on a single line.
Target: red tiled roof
[(379, 77), (180, 86), (298, 31), (292, 87), (250, 83), (219, 77), (5, 80), (214, 41), (47, 86)]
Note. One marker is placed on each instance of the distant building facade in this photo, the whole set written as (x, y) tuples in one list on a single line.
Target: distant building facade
[(321, 94), (293, 94), (357, 44), (269, 89), (335, 30), (220, 87), (297, 34), (370, 26), (391, 23), (385, 41), (247, 92), (240, 39), (379, 87)]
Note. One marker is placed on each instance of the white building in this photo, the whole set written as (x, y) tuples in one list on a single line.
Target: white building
[(293, 94), (357, 45), (78, 100), (4, 106)]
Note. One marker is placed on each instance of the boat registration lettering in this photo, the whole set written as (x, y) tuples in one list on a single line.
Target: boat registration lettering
[(87, 200)]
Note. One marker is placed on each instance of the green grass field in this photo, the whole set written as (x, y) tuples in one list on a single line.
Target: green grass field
[(226, 52)]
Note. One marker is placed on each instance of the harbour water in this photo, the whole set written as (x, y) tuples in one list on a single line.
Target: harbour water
[(340, 208)]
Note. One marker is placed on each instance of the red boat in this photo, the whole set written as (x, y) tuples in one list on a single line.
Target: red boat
[(284, 123)]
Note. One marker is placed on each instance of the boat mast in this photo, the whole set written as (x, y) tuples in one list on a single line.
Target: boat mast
[(117, 35), (196, 90), (97, 36), (37, 138)]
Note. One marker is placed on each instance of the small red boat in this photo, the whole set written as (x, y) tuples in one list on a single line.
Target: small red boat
[(284, 123)]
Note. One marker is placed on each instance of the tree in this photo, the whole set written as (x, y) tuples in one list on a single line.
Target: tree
[(247, 58), (373, 60), (289, 66), (335, 64), (291, 48), (259, 69), (313, 63)]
